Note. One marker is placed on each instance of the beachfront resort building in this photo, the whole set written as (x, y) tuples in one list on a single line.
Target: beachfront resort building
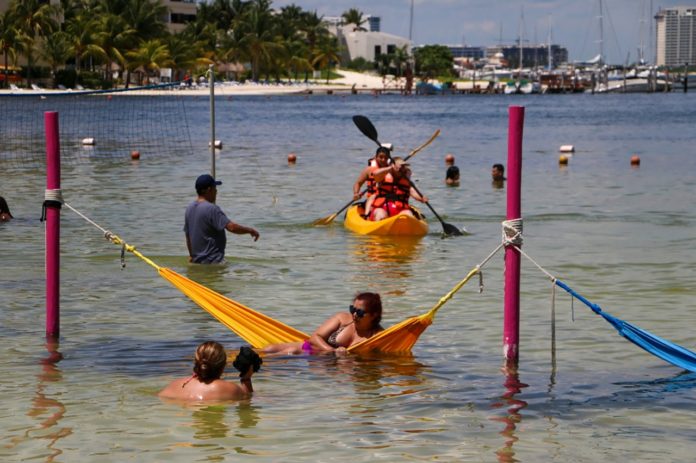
[(676, 36), (179, 13), (366, 42)]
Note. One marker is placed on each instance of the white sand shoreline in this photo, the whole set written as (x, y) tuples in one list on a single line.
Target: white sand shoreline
[(348, 82)]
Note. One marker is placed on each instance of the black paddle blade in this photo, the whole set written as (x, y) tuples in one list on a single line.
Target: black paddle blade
[(366, 127), (449, 229)]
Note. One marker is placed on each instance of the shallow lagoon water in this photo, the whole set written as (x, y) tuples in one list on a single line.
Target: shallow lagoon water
[(621, 236)]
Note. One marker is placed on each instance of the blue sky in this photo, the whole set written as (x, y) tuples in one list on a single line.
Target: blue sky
[(574, 23)]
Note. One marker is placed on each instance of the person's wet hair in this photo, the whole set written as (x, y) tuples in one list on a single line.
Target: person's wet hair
[(210, 361), (247, 358), (373, 304), (4, 207)]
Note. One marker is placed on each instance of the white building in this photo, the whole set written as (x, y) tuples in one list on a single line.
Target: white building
[(676, 36), (179, 13), (369, 45)]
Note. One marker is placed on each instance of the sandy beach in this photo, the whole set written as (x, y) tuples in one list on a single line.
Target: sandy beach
[(348, 82)]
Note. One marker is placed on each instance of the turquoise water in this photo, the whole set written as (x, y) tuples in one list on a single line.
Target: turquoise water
[(621, 236)]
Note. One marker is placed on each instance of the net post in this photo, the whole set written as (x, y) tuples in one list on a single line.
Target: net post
[(52, 225), (511, 324), (211, 84)]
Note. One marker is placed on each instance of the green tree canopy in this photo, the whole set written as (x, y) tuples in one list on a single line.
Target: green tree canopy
[(433, 60)]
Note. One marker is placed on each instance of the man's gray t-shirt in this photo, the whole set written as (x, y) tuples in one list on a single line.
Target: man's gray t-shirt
[(205, 223)]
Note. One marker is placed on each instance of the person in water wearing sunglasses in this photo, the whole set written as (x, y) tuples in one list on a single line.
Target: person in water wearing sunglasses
[(342, 330)]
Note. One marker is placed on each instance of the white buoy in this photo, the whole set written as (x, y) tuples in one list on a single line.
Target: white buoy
[(88, 141), (218, 144), (567, 149)]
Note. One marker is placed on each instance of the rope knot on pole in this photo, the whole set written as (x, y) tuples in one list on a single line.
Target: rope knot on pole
[(512, 232), (52, 198)]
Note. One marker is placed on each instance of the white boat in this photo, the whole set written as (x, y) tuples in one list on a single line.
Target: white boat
[(522, 87), (634, 85)]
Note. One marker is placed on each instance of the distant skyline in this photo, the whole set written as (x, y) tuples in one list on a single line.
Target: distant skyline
[(574, 23)]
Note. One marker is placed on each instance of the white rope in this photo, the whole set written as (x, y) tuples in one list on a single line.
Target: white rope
[(512, 232), (54, 195), (553, 278), (107, 234), (484, 262)]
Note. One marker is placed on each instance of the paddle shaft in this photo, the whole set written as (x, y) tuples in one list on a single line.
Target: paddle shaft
[(427, 203), (349, 203)]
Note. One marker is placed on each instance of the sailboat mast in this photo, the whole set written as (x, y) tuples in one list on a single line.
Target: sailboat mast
[(601, 33), (521, 37), (549, 61), (410, 24)]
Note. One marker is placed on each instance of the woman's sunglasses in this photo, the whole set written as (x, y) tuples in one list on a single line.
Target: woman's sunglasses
[(360, 313)]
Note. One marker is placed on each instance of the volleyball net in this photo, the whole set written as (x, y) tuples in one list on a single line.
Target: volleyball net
[(94, 125)]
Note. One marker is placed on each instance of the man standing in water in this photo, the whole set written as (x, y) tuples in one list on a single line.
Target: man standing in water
[(205, 225), (498, 175)]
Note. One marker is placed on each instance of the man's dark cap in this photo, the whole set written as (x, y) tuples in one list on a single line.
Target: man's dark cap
[(206, 180)]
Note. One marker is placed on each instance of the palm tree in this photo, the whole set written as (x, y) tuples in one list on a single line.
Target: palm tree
[(80, 29), (110, 39), (355, 17), (400, 57), (185, 53), (12, 42), (56, 50), (256, 24), (145, 18), (34, 19), (151, 55), (312, 29), (326, 52), (298, 60)]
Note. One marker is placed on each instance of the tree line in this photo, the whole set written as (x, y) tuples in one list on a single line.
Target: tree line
[(127, 41)]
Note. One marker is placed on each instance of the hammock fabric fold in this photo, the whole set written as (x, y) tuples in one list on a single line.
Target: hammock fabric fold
[(666, 350), (259, 330)]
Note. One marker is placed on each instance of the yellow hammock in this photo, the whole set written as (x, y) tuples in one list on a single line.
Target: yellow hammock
[(259, 330)]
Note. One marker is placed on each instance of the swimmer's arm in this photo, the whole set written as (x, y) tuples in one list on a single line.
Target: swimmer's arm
[(246, 386), (319, 337)]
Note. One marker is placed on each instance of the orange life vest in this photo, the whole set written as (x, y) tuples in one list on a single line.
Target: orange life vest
[(394, 192), (370, 183)]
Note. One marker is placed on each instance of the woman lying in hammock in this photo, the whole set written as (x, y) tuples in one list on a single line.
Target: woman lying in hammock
[(341, 331)]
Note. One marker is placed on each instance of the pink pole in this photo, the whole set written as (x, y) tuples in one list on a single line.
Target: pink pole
[(52, 226), (511, 324)]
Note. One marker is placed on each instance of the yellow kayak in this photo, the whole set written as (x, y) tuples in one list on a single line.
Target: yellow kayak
[(401, 225)]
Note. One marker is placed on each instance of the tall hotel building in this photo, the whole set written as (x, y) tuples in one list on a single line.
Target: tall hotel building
[(676, 36)]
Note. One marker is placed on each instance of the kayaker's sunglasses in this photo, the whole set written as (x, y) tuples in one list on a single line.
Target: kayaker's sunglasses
[(360, 313)]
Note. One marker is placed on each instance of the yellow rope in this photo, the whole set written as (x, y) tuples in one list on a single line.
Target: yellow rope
[(456, 288), (118, 241)]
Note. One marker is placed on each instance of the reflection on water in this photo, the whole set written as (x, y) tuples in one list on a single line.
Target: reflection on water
[(513, 386), (47, 409), (209, 422), (211, 276), (387, 257), (382, 375)]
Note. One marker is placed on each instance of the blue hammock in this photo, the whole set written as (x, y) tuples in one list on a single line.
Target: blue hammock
[(667, 351)]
